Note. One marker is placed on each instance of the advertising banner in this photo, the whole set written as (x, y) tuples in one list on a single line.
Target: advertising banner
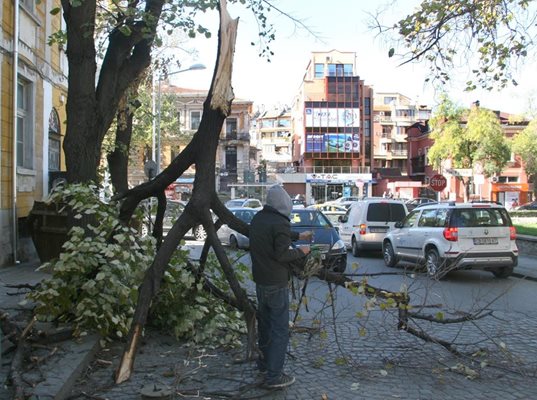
[(333, 143), (332, 117)]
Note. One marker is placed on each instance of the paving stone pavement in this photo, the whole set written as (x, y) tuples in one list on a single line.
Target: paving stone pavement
[(383, 364), (366, 358)]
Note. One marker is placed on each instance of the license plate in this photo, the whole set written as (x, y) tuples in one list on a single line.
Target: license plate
[(378, 230), (478, 241)]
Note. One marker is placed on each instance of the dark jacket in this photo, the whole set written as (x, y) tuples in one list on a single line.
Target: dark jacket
[(270, 247)]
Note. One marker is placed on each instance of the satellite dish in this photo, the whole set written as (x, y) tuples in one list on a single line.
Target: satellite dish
[(150, 169)]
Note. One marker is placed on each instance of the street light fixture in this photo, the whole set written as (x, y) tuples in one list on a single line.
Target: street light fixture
[(156, 127)]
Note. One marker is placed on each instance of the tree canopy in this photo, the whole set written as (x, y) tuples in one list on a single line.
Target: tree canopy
[(525, 145), (468, 139), (488, 37)]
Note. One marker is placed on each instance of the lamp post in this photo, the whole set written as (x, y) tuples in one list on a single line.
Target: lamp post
[(157, 109)]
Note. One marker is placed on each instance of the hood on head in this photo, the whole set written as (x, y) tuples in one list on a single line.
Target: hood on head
[(278, 199)]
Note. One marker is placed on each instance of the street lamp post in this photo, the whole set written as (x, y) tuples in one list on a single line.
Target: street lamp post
[(157, 109)]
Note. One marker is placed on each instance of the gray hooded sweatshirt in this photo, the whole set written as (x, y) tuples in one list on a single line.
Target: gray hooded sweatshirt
[(271, 238)]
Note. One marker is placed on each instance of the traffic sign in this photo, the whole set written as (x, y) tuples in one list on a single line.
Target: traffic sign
[(438, 182)]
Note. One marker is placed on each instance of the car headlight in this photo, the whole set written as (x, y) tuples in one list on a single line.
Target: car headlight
[(338, 245)]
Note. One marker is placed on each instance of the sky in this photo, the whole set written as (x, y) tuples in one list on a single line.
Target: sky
[(341, 25)]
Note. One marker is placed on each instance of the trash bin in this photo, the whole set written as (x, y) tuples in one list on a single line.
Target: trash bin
[(48, 228)]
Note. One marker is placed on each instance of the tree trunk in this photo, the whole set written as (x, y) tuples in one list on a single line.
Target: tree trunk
[(202, 152), (118, 160)]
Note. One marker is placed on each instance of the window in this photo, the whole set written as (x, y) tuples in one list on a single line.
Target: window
[(319, 70), (367, 106), (25, 139), (347, 69), (195, 118), (54, 136), (331, 69), (367, 127), (428, 218), (388, 100), (231, 128), (410, 219)]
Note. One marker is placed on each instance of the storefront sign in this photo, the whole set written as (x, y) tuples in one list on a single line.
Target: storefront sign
[(351, 179)]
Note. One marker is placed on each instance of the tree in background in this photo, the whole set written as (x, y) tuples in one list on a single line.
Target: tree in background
[(525, 145), (468, 139), (487, 37)]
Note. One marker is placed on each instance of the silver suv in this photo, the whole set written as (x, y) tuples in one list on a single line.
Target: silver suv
[(451, 236)]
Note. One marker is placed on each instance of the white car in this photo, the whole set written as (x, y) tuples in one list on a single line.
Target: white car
[(233, 238), (451, 236), (245, 203), (367, 222)]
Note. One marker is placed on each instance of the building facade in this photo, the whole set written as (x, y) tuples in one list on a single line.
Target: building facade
[(235, 159), (512, 184), (394, 116), (273, 137), (332, 126), (34, 88)]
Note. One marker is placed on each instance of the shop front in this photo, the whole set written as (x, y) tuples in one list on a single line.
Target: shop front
[(511, 194), (327, 187)]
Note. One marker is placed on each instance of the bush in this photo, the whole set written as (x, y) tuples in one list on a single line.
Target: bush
[(94, 283)]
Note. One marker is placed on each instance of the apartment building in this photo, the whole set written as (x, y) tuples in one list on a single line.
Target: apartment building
[(235, 159), (332, 126), (33, 89), (273, 136), (394, 115)]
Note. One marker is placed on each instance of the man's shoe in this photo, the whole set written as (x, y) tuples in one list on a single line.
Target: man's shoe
[(281, 382)]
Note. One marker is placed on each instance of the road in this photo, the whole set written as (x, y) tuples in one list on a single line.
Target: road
[(461, 290)]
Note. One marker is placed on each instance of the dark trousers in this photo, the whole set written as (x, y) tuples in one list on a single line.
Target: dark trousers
[(273, 328)]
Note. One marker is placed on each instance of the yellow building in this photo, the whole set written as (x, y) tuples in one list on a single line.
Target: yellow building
[(33, 89)]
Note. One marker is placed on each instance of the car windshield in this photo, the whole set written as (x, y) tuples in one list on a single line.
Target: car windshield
[(308, 218), (234, 203), (385, 212), (245, 215), (476, 217)]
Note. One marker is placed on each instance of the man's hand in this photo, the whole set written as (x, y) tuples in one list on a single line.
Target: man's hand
[(306, 235), (305, 249)]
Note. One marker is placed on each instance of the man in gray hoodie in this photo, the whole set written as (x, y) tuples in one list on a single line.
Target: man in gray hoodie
[(272, 252)]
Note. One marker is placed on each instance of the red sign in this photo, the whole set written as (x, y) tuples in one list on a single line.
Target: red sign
[(438, 182)]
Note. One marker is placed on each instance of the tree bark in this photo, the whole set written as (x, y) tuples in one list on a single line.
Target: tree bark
[(118, 160), (91, 109)]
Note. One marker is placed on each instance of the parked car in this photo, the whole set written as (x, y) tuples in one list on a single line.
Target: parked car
[(451, 236), (528, 206), (174, 208), (332, 211), (244, 203), (418, 201), (233, 238), (325, 236), (367, 222)]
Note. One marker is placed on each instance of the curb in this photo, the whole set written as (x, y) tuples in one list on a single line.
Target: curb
[(63, 372)]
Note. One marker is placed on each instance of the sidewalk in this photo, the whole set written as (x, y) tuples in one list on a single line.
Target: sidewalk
[(163, 362)]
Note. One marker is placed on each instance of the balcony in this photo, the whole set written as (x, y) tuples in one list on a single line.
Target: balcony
[(241, 137), (400, 153)]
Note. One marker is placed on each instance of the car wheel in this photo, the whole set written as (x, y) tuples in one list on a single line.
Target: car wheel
[(341, 266), (503, 273), (389, 255), (434, 264), (355, 249), (233, 242), (199, 233)]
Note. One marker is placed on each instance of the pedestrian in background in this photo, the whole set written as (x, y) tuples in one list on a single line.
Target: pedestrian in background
[(272, 254)]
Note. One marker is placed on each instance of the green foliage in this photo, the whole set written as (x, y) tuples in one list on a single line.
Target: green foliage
[(94, 284), (525, 145), (478, 141), (487, 36), (203, 320)]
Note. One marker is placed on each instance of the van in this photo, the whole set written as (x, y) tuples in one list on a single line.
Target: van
[(367, 222)]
